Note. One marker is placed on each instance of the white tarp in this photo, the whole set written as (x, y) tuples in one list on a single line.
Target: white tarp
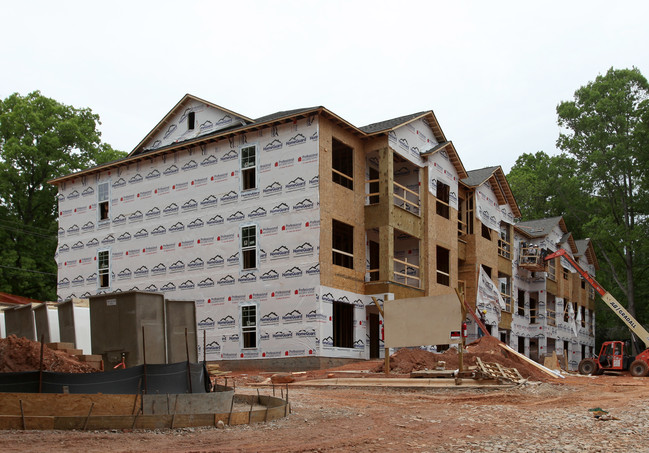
[(488, 294), (440, 168), (489, 212)]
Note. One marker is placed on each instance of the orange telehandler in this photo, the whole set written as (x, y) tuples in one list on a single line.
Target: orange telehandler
[(614, 355)]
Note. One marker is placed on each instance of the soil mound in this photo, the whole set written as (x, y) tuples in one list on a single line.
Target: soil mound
[(21, 354), (487, 348)]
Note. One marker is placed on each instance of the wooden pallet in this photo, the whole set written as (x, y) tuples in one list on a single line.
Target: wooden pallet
[(497, 371)]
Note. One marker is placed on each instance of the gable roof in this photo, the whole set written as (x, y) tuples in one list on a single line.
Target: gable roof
[(585, 248), (497, 177), (9, 300), (249, 125), (542, 227), (176, 108)]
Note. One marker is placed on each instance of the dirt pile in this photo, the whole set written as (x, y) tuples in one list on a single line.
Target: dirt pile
[(408, 360), (21, 354)]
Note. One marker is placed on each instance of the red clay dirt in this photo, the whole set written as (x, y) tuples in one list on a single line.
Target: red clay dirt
[(21, 354), (547, 416)]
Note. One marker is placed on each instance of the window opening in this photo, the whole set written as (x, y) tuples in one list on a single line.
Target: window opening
[(190, 120), (504, 241), (486, 232), (505, 290), (249, 168), (343, 325), (249, 247), (375, 258), (342, 164), (103, 268), (342, 244), (443, 266), (533, 310), (521, 302), (103, 199), (443, 199), (552, 269), (249, 326)]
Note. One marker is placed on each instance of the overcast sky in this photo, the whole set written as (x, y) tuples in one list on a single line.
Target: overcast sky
[(493, 72)]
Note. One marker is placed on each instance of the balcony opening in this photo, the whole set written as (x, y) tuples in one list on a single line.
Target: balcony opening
[(406, 185), (551, 310), (342, 244), (442, 206), (406, 259), (505, 284), (443, 259), (342, 164), (373, 256), (504, 241)]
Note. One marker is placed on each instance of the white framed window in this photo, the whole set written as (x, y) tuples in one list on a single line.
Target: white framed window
[(248, 237), (103, 200), (103, 268), (249, 167), (249, 326)]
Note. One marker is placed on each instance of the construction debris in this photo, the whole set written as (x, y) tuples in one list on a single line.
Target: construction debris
[(21, 354), (498, 372)]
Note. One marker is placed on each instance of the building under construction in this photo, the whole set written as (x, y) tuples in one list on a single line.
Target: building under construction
[(283, 228)]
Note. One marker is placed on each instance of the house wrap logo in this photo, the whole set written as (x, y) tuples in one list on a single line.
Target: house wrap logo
[(303, 250), (126, 236), (94, 242), (314, 182), (216, 220), (153, 174), (196, 264), (77, 245), (74, 229), (358, 344), (314, 316), (314, 136), (177, 227), (141, 272), (170, 130), (178, 266), (313, 270), (328, 342), (141, 234), (73, 195), (248, 278), (226, 322), (296, 140), (159, 269), (280, 252), (62, 231), (135, 217), (196, 223), (64, 283), (281, 208), (110, 239), (210, 201), (152, 287), (206, 324), (216, 261), (226, 281), (212, 347), (206, 283), (272, 189), (297, 184), (305, 333), (171, 209), (210, 160), (153, 213), (233, 259), (168, 287), (88, 192), (229, 197), (274, 145), (121, 182), (230, 155), (78, 281), (236, 217), (269, 319), (191, 165), (328, 297), (257, 213), (124, 274), (292, 317), (270, 275), (186, 285), (282, 335), (302, 205), (171, 170), (91, 279), (119, 220), (136, 178), (190, 205), (158, 231)]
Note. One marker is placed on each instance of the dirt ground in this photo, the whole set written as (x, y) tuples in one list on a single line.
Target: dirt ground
[(551, 416)]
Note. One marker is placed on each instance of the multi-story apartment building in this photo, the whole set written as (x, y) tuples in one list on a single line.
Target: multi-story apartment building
[(554, 307), (282, 228)]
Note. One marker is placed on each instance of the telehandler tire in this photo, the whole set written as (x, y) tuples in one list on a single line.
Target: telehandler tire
[(588, 366), (639, 368)]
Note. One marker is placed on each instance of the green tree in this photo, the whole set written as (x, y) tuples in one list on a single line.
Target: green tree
[(40, 139), (605, 131), (548, 186)]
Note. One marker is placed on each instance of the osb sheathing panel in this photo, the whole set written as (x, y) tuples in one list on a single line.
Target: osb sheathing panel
[(505, 320), (504, 265), (342, 204), (399, 291), (551, 286), (50, 404)]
